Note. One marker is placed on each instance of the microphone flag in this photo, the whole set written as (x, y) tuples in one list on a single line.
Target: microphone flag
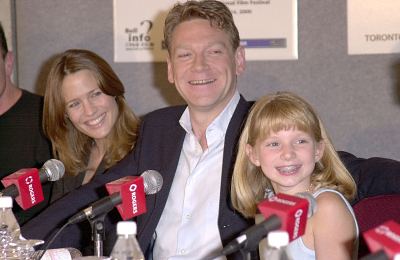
[(386, 236), (133, 198), (29, 187), (291, 210)]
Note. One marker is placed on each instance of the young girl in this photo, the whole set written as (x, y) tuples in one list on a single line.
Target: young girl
[(284, 148)]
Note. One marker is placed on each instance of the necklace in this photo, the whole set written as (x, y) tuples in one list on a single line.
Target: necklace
[(310, 188), (269, 193)]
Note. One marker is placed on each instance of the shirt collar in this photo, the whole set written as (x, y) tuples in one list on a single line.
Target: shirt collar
[(221, 122)]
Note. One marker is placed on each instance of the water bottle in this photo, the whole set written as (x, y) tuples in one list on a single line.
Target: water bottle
[(126, 247), (277, 242), (9, 228)]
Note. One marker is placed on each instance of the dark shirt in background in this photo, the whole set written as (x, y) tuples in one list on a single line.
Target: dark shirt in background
[(23, 145)]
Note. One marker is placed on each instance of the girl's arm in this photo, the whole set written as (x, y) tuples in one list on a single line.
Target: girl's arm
[(334, 230)]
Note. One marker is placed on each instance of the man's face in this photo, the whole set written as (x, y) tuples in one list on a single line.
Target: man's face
[(203, 66)]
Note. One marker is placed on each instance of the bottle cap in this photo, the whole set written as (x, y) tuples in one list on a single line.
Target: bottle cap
[(6, 202), (278, 238), (126, 228)]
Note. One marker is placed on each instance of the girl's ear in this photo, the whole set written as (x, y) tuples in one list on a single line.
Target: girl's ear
[(252, 154), (319, 150)]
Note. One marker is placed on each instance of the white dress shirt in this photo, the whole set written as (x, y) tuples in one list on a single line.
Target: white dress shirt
[(188, 227)]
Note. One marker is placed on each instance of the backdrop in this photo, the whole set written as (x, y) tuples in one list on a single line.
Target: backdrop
[(358, 97)]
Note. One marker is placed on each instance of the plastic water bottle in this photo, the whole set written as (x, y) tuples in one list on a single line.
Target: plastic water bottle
[(9, 228), (277, 242), (126, 247)]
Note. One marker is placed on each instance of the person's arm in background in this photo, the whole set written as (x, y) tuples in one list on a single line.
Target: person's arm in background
[(373, 176)]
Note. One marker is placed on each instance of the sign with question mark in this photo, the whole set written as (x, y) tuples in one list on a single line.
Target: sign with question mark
[(138, 29)]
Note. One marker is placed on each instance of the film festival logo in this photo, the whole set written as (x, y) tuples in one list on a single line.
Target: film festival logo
[(138, 38)]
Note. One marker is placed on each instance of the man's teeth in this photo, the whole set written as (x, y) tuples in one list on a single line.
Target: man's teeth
[(200, 82)]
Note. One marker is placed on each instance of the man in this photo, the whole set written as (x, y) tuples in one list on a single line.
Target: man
[(22, 144), (192, 146)]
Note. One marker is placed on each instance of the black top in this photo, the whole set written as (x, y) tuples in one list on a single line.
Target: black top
[(69, 183), (23, 145)]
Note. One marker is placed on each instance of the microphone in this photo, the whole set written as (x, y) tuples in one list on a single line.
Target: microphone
[(293, 211), (285, 212), (378, 255), (384, 240), (25, 185), (127, 193)]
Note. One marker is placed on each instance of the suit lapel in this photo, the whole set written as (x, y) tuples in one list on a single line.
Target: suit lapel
[(231, 140), (167, 145), (229, 222)]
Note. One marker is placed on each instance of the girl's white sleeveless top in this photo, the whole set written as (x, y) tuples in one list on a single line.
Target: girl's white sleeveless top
[(297, 249)]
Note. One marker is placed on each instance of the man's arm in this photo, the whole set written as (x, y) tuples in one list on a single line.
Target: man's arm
[(373, 176)]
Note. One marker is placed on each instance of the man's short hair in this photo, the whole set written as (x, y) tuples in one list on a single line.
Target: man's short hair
[(216, 12)]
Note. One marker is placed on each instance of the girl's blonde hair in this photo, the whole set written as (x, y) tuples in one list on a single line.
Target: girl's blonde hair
[(272, 113), (70, 145)]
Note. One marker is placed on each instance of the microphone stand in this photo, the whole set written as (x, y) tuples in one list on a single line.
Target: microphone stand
[(245, 254), (249, 254), (98, 233)]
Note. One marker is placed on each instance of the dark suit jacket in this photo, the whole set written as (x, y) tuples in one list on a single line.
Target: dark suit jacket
[(158, 148)]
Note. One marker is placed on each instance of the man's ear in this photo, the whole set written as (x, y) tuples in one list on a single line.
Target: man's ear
[(170, 70), (9, 63), (240, 60)]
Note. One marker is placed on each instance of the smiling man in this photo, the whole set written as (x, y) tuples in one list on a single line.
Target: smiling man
[(204, 59)]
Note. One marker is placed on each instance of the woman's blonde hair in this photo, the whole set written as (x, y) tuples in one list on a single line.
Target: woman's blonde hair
[(70, 145), (272, 113)]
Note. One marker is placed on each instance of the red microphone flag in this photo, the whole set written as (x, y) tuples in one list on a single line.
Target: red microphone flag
[(291, 210), (385, 236), (29, 187), (131, 190)]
